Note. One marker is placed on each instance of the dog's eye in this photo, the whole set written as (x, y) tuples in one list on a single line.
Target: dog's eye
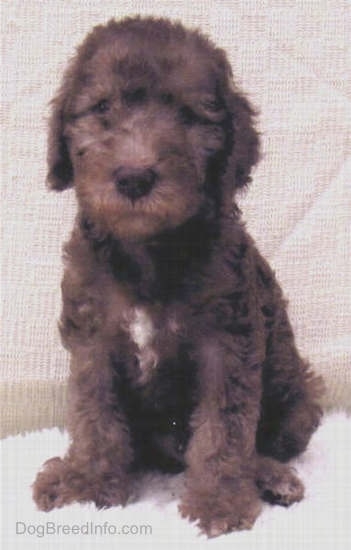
[(212, 104), (167, 98), (187, 116), (134, 96), (101, 107)]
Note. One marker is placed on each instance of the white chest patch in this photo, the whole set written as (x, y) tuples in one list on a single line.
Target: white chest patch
[(142, 332)]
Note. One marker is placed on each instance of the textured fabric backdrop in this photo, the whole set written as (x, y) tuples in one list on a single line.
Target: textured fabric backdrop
[(291, 57)]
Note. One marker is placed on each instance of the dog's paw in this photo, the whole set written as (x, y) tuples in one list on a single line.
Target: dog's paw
[(57, 484), (113, 492), (278, 484), (50, 488), (222, 512)]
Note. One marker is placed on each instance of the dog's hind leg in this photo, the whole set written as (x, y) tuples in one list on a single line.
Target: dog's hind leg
[(290, 410)]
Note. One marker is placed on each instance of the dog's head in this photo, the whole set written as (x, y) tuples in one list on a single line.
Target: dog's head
[(149, 128)]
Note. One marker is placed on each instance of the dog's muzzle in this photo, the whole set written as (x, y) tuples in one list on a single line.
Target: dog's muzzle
[(134, 183)]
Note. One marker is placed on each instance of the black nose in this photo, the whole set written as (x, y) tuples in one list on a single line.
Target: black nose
[(134, 183)]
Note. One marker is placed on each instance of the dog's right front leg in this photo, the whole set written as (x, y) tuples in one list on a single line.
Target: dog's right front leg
[(96, 466)]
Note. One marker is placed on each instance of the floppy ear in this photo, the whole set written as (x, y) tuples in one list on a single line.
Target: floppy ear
[(244, 139), (60, 169), (245, 153)]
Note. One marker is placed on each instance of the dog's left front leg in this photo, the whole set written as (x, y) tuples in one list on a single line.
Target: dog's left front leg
[(221, 492)]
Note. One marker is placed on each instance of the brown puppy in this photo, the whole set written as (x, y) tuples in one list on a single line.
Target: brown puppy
[(182, 353)]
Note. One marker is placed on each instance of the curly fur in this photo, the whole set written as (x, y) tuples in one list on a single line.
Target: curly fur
[(182, 352)]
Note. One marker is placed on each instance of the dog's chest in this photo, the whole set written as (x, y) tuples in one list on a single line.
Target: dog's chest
[(151, 339), (141, 330)]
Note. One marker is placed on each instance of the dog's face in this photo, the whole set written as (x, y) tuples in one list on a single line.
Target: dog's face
[(144, 125)]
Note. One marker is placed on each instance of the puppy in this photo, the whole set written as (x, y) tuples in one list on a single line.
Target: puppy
[(182, 355)]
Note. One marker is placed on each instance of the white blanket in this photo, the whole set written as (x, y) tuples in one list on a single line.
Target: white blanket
[(320, 522)]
